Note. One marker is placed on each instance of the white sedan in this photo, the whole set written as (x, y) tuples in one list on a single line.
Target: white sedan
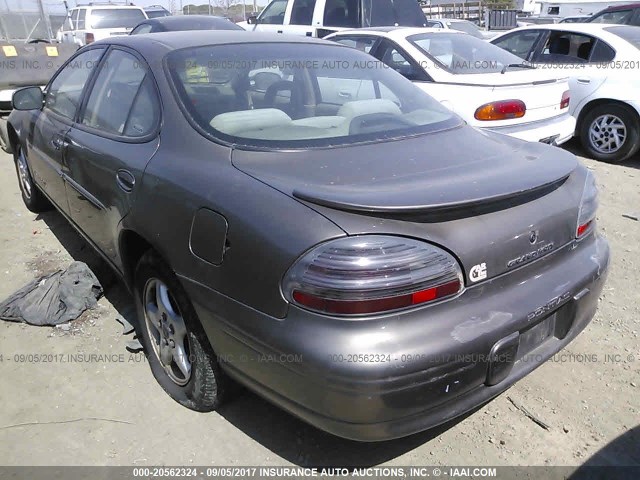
[(603, 62), (486, 86)]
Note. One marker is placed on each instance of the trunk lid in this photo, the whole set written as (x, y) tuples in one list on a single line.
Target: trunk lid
[(480, 195), (540, 91)]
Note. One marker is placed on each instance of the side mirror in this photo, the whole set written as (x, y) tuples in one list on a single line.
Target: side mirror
[(28, 98), (252, 20)]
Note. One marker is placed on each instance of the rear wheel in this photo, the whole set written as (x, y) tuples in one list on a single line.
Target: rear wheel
[(179, 353), (610, 133), (32, 197)]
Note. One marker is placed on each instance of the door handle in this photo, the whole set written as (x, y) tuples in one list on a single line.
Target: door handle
[(344, 94), (279, 31), (584, 80), (58, 143), (125, 180)]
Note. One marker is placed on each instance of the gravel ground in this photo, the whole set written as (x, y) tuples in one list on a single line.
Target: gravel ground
[(108, 410)]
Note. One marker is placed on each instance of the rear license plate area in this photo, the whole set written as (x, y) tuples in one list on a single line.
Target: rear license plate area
[(535, 336)]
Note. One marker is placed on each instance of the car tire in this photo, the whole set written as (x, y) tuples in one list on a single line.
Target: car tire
[(174, 339), (32, 197), (601, 124)]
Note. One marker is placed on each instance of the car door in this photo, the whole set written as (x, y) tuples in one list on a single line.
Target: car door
[(110, 145), (48, 143), (272, 17), (521, 43)]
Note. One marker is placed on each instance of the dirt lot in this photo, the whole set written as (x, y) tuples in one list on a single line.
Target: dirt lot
[(108, 410)]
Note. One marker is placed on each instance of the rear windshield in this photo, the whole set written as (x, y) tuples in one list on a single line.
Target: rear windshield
[(116, 17), (463, 54), (630, 34), (280, 95)]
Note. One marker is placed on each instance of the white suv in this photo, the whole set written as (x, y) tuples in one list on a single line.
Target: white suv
[(86, 24)]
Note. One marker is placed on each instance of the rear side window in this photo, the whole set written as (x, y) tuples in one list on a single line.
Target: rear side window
[(121, 101), (567, 47), (302, 12), (342, 13), (74, 19), (602, 53), (63, 94)]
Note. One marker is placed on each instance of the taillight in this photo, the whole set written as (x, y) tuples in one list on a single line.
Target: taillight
[(566, 98), (371, 274), (588, 206), (502, 110), (89, 38)]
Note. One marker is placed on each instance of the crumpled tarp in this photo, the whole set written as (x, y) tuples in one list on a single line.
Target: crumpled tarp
[(56, 298)]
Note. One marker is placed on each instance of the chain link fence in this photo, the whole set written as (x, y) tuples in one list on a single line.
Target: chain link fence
[(24, 20)]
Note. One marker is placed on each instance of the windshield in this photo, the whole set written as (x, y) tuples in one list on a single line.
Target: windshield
[(282, 95), (116, 17), (616, 16), (463, 54), (630, 34), (406, 13), (466, 27)]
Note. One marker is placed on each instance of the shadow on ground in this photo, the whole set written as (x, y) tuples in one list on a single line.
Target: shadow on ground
[(575, 147), (619, 459)]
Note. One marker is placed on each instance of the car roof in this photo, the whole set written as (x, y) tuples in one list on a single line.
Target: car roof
[(191, 22), (395, 32), (592, 28), (109, 6), (154, 45)]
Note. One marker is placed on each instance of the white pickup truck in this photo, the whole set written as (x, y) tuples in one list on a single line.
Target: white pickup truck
[(319, 18)]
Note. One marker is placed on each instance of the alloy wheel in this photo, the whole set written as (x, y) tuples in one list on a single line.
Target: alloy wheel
[(607, 134)]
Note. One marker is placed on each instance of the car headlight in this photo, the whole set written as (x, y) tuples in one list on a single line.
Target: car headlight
[(371, 274), (588, 206)]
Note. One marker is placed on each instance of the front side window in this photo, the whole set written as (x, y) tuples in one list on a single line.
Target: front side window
[(64, 93), (464, 54), (146, 28), (520, 43), (302, 12), (281, 95), (116, 17), (273, 14), (119, 90)]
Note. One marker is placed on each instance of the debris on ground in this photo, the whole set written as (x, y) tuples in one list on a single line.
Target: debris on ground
[(631, 216), (528, 414), (54, 299)]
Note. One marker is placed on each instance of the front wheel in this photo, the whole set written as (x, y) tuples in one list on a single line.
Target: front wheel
[(32, 197), (180, 356), (610, 133)]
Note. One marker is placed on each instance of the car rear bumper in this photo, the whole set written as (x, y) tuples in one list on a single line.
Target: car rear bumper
[(392, 376), (555, 131)]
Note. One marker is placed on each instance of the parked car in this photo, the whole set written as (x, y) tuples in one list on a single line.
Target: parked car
[(184, 23), (460, 25), (488, 87), (604, 63), (86, 24), (367, 262), (156, 11), (575, 19), (319, 18), (619, 14)]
